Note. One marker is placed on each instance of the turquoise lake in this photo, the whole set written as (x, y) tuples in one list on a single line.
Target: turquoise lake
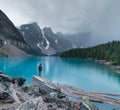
[(85, 74)]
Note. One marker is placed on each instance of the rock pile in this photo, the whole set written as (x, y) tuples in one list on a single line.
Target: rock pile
[(41, 95)]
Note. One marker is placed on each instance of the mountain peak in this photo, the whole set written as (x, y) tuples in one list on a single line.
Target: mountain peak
[(1, 12), (48, 30), (59, 33), (31, 26)]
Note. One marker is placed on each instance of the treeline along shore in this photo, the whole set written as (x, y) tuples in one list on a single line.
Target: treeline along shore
[(109, 51)]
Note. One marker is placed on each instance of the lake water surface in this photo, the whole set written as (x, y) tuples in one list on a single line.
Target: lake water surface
[(86, 74)]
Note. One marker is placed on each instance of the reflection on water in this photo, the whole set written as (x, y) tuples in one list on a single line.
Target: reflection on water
[(85, 74), (47, 63)]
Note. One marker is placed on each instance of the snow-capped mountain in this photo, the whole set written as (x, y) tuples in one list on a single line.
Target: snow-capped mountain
[(43, 41)]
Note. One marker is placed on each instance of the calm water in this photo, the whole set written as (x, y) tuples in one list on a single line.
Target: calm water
[(85, 74)]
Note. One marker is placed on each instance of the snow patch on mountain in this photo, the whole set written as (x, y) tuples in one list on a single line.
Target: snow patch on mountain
[(56, 41), (23, 33), (5, 42), (26, 28), (48, 43), (38, 45), (43, 41), (49, 51)]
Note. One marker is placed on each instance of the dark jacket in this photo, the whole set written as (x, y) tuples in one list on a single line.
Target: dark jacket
[(40, 68)]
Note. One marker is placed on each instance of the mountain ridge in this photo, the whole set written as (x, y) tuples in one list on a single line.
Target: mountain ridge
[(9, 33), (31, 39), (45, 40)]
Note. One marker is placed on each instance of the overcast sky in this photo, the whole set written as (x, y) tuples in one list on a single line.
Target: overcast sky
[(100, 17)]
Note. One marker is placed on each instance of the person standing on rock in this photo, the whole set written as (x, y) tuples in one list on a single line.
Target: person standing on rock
[(40, 69)]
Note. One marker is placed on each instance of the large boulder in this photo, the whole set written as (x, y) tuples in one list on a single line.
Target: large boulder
[(44, 84), (34, 104), (20, 81), (32, 91), (6, 78), (5, 97)]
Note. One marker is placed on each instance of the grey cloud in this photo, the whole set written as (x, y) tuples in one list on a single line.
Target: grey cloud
[(100, 17)]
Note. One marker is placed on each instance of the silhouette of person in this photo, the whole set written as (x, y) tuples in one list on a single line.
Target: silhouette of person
[(40, 69)]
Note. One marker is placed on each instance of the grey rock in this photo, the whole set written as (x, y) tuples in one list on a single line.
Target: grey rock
[(53, 95), (87, 105), (34, 104), (60, 94), (20, 81), (5, 97), (33, 91), (42, 95), (44, 84), (6, 78)]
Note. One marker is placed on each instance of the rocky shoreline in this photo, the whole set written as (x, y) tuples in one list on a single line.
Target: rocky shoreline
[(41, 95), (115, 68)]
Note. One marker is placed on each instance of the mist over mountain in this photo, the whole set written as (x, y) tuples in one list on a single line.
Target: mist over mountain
[(78, 40), (31, 38), (100, 18)]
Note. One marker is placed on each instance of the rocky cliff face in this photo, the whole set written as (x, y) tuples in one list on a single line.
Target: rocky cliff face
[(47, 42), (43, 40), (7, 28), (8, 32), (32, 35), (59, 43)]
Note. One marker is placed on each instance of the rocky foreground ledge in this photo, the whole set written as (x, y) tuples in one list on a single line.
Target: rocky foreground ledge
[(41, 95), (45, 95)]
